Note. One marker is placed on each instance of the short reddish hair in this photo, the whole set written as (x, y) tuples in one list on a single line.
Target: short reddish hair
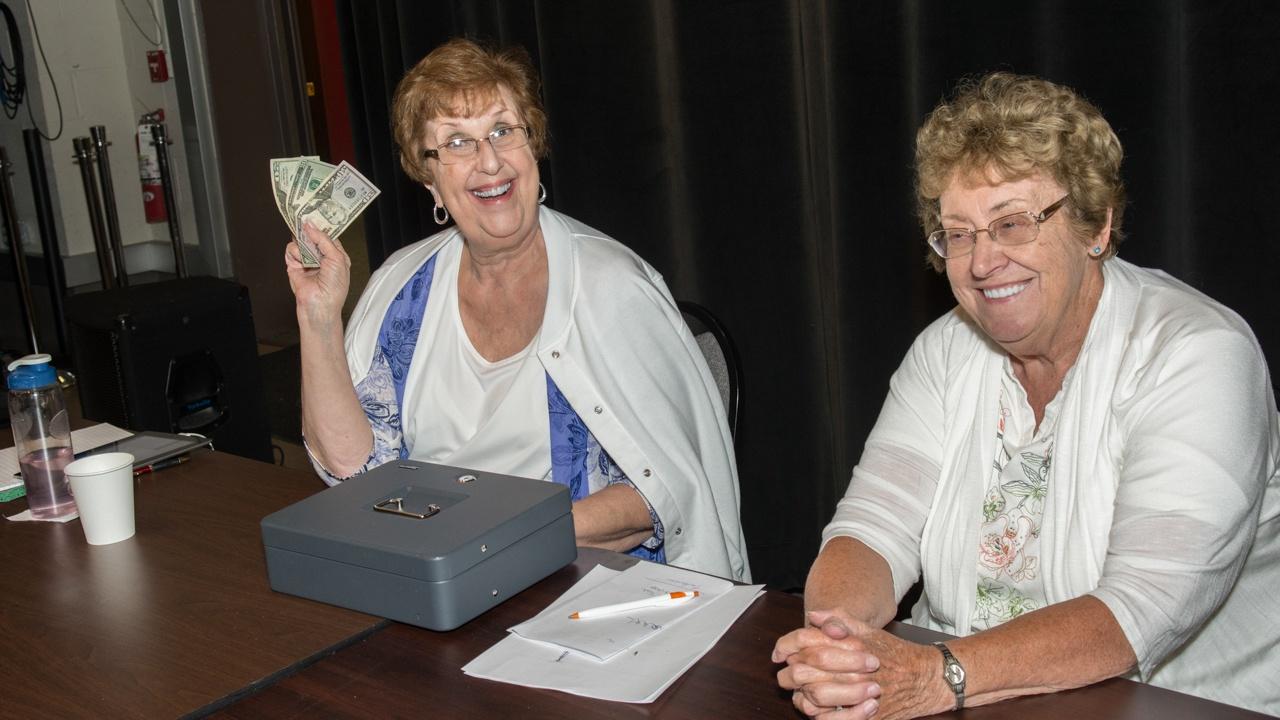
[(460, 78)]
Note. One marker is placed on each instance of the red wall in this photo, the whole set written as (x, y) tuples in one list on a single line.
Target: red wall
[(333, 85)]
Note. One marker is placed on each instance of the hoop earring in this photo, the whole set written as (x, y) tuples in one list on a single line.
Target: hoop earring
[(436, 214), (542, 193)]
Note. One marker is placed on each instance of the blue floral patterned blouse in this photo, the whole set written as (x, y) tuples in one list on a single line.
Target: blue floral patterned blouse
[(577, 460)]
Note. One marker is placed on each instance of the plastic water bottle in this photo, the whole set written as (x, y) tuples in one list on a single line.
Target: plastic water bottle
[(41, 435)]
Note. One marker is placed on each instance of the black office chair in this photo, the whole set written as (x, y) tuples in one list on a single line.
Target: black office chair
[(721, 355)]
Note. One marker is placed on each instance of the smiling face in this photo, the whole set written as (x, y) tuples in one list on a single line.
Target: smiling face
[(493, 196), (1035, 300)]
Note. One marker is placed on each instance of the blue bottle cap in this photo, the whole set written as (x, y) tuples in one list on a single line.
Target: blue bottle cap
[(32, 371)]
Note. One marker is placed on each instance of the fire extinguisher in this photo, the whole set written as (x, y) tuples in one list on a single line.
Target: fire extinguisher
[(149, 170)]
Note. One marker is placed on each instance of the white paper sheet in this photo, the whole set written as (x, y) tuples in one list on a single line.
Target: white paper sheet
[(605, 637), (81, 440), (25, 516), (636, 676)]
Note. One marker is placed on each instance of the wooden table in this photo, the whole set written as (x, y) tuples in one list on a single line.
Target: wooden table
[(404, 671), (177, 619)]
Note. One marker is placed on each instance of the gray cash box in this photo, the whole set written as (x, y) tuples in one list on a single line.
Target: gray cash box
[(429, 545)]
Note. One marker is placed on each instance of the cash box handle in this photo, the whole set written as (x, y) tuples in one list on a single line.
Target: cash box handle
[(395, 506)]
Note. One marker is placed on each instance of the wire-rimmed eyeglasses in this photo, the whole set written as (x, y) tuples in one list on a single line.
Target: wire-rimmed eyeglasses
[(462, 149), (1016, 229)]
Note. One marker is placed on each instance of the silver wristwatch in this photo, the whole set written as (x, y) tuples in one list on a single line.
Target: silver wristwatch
[(953, 673)]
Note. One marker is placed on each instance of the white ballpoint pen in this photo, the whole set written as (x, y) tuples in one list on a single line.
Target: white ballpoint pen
[(672, 598)]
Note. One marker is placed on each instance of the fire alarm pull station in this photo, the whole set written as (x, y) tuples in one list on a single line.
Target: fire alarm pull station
[(157, 65)]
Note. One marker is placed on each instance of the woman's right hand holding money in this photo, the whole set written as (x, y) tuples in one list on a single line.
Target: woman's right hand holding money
[(320, 292)]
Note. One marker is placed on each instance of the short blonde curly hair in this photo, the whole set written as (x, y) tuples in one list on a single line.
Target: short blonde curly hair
[(1010, 126), (459, 78)]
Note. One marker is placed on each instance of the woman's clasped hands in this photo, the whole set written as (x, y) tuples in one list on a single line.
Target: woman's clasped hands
[(840, 668)]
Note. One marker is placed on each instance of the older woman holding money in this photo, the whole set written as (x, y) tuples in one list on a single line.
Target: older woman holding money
[(519, 341)]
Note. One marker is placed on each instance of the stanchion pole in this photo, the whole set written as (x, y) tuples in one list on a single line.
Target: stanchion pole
[(15, 249), (84, 156), (54, 271), (161, 141), (99, 134)]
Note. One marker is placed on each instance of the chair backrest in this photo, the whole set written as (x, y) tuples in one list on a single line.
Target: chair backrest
[(721, 355)]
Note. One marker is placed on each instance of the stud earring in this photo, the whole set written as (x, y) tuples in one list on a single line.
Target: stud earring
[(1097, 249), (436, 214)]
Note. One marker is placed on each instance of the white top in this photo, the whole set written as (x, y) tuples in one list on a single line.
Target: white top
[(1163, 499), (617, 347), (476, 414)]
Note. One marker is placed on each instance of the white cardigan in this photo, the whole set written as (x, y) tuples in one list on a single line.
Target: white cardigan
[(617, 346), (1164, 498)]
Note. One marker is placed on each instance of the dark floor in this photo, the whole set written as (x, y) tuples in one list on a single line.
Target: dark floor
[(281, 387)]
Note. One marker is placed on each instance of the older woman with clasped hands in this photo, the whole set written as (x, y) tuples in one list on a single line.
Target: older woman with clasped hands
[(1082, 459), (520, 341)]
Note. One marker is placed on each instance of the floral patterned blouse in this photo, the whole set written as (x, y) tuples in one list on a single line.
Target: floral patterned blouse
[(1009, 579)]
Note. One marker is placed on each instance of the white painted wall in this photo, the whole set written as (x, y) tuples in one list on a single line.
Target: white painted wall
[(97, 58)]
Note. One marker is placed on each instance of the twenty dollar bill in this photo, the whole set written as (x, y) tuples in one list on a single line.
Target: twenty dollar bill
[(334, 204), (329, 197)]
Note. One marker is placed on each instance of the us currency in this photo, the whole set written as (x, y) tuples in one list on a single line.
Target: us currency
[(282, 171), (332, 206), (307, 175)]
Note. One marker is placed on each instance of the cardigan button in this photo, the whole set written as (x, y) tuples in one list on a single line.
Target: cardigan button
[(647, 473), (555, 354), (599, 409), (679, 531)]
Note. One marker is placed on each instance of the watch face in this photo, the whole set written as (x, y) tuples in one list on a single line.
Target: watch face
[(953, 673)]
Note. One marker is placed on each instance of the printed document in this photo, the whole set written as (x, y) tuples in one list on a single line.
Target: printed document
[(638, 675)]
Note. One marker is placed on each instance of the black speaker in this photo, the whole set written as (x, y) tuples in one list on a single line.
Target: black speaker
[(174, 356)]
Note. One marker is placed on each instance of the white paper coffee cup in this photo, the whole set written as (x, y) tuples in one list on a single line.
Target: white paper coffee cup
[(103, 488)]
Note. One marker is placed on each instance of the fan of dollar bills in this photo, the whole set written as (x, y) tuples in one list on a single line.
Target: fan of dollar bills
[(328, 196)]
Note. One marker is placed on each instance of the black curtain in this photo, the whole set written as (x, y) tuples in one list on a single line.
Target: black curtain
[(758, 153)]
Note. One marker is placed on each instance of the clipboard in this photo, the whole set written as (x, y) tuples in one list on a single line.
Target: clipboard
[(149, 447)]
